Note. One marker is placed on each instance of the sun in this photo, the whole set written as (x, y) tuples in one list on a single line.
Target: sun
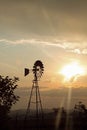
[(72, 71)]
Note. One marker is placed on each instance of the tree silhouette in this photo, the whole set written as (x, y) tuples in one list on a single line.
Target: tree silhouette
[(80, 116), (7, 96), (7, 99), (80, 107)]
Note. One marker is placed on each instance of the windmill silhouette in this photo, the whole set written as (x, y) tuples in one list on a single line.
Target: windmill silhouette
[(37, 70)]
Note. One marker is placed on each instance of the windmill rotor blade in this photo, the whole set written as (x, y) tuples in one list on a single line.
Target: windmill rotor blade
[(26, 71)]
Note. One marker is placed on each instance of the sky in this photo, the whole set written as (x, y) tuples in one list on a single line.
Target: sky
[(53, 31)]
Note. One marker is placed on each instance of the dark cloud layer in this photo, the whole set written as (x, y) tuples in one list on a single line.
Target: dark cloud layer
[(55, 18), (54, 97)]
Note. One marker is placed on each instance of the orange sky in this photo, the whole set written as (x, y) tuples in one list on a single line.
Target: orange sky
[(51, 31)]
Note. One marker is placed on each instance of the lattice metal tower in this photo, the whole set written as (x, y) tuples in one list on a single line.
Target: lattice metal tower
[(37, 70)]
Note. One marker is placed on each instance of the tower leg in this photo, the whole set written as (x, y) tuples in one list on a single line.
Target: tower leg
[(40, 102), (35, 93), (29, 103), (37, 102)]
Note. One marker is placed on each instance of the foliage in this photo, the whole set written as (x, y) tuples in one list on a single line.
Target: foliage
[(7, 96), (80, 107)]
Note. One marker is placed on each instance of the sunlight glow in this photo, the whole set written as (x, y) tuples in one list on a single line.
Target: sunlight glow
[(72, 70)]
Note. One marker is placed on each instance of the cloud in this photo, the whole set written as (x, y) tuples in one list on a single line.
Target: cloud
[(79, 51), (76, 51), (63, 91), (66, 20), (50, 96), (58, 43), (84, 51), (68, 46)]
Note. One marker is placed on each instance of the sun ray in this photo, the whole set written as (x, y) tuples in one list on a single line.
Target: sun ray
[(71, 73), (59, 115)]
